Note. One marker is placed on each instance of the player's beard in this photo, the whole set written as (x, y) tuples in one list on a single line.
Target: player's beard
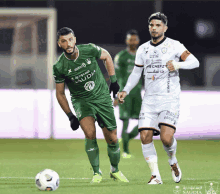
[(74, 49), (155, 38), (133, 47)]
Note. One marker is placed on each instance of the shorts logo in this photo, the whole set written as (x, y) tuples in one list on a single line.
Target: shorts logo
[(89, 85), (78, 114), (141, 116)]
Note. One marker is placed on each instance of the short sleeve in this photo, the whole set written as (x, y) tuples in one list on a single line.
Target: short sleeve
[(138, 58), (58, 77), (96, 50), (180, 49)]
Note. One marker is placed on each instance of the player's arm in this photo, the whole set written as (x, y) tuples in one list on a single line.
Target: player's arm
[(107, 59), (61, 97), (134, 77), (189, 61)]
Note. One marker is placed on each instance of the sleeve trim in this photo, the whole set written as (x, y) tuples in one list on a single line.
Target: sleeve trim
[(184, 55), (139, 65)]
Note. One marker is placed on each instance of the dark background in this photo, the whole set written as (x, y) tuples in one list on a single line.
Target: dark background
[(106, 22)]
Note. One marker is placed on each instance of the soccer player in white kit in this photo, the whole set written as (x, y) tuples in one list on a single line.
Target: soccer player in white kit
[(160, 58)]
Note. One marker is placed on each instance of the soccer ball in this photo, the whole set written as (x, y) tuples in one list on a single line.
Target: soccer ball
[(47, 180)]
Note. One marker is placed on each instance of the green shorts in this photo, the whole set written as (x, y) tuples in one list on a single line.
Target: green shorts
[(101, 110), (130, 109)]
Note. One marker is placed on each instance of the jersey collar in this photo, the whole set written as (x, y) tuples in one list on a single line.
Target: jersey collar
[(158, 42)]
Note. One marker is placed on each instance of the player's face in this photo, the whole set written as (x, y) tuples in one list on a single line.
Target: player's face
[(157, 29), (132, 41), (67, 43)]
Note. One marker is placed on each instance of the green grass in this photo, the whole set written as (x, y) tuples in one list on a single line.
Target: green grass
[(199, 161)]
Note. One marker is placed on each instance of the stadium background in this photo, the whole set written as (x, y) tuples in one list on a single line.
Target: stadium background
[(34, 131), (25, 97)]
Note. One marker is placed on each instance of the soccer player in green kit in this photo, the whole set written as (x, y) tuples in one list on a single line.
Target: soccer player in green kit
[(124, 64), (78, 69)]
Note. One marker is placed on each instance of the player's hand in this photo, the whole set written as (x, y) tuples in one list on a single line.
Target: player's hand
[(115, 103), (121, 96), (74, 123), (114, 87), (170, 65)]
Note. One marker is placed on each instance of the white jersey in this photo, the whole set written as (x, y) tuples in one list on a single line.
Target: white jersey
[(159, 82)]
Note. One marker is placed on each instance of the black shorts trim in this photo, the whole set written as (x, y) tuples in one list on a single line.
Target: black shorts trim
[(139, 65), (168, 125), (156, 132)]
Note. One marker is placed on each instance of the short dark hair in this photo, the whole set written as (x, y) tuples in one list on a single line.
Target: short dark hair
[(158, 16), (132, 32), (64, 31)]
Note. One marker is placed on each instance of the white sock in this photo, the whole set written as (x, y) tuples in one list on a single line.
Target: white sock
[(150, 156), (171, 152), (112, 169)]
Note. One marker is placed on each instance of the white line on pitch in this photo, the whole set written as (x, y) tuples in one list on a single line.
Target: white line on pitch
[(34, 178), (187, 179)]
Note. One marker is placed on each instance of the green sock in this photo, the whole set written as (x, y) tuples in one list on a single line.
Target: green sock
[(125, 135), (114, 156), (92, 151), (133, 133)]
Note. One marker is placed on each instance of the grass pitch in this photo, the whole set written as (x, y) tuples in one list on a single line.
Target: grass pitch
[(22, 159)]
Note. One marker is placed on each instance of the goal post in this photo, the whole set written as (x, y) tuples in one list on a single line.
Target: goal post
[(21, 17), (32, 49)]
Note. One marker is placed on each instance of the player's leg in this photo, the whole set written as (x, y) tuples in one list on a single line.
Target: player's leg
[(135, 111), (86, 116), (114, 154), (88, 126), (150, 154), (147, 129), (170, 146), (134, 132), (124, 115), (126, 137), (167, 122), (112, 148), (106, 120)]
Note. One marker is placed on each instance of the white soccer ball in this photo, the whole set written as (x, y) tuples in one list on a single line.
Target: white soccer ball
[(47, 180)]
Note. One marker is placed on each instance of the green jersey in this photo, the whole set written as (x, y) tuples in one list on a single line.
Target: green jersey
[(82, 75), (124, 64)]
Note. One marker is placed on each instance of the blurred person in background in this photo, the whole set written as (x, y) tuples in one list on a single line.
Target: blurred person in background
[(160, 58), (78, 69), (124, 64)]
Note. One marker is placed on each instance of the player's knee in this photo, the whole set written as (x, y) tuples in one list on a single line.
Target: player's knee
[(111, 140), (166, 140), (90, 136), (146, 136), (111, 137)]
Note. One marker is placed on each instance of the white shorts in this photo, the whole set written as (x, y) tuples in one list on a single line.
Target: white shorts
[(153, 115)]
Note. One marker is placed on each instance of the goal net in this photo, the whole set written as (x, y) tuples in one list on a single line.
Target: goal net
[(27, 54)]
